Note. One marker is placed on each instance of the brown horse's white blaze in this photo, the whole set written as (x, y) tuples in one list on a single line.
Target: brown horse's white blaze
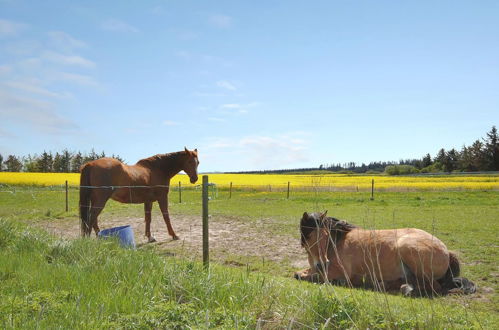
[(408, 259), (145, 182)]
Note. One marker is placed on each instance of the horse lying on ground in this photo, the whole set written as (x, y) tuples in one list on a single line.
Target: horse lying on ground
[(145, 182), (410, 260)]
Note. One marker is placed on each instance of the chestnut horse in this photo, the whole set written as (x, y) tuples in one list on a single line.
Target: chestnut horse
[(410, 260), (145, 182)]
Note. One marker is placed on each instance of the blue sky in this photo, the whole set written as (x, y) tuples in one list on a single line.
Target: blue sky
[(250, 84)]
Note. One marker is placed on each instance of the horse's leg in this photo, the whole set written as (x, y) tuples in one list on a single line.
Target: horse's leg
[(147, 211), (163, 205), (307, 275), (99, 200)]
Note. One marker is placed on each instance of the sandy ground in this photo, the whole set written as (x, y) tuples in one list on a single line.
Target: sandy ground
[(229, 238)]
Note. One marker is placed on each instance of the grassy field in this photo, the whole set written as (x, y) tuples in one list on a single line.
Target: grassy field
[(50, 282)]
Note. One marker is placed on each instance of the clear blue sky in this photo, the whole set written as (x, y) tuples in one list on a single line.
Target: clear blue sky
[(251, 84)]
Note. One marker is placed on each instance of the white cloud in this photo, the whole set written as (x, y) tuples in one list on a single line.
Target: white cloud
[(64, 41), (158, 10), (67, 59), (34, 87), (261, 151), (118, 26), (221, 21), (226, 85), (10, 28), (23, 47), (183, 54), (216, 119), (240, 108), (4, 69), (170, 123), (78, 79), (35, 113)]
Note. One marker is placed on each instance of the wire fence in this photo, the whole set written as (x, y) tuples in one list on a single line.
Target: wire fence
[(64, 195)]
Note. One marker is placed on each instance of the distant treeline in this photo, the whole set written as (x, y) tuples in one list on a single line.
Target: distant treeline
[(63, 162), (482, 155)]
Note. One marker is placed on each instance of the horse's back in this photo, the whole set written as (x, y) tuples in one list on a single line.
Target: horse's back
[(104, 171), (382, 251)]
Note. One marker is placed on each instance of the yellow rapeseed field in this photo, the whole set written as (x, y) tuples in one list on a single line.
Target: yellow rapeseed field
[(280, 181)]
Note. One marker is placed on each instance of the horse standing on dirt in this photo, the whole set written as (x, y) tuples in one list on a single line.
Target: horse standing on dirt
[(145, 182), (410, 260)]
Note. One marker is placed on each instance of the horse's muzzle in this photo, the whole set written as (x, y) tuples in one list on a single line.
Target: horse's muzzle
[(194, 179)]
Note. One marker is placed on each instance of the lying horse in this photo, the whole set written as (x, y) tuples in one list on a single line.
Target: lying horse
[(410, 260), (145, 182)]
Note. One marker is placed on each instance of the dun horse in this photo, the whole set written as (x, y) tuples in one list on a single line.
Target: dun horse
[(145, 182), (410, 260)]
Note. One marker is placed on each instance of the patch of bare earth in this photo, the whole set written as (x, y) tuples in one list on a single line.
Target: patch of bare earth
[(229, 238)]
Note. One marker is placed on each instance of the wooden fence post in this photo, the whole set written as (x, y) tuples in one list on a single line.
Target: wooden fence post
[(230, 191), (206, 259), (67, 203), (372, 190), (288, 189), (180, 192)]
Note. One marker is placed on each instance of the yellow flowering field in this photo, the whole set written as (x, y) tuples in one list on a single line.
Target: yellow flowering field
[(280, 181)]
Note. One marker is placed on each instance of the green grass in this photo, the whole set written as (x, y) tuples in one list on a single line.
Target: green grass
[(90, 284)]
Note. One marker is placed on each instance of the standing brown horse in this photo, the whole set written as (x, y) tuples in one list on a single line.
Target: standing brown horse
[(410, 260), (145, 182)]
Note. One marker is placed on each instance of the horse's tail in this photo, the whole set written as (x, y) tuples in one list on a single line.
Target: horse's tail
[(452, 283), (85, 192)]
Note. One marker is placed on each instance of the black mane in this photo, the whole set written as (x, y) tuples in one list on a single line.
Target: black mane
[(337, 228)]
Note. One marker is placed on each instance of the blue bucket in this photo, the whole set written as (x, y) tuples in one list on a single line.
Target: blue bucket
[(124, 234)]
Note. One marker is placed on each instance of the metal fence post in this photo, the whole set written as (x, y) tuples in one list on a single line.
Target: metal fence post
[(206, 258), (67, 203)]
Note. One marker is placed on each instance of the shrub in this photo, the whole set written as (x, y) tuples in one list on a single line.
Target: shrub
[(400, 169)]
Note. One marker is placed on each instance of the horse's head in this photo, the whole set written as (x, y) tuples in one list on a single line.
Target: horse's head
[(315, 238), (190, 165)]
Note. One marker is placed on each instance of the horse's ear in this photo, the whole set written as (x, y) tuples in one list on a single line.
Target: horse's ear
[(196, 150), (305, 215), (323, 215), (185, 148)]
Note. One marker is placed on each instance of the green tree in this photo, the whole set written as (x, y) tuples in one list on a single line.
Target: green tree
[(466, 160), (450, 160), (13, 164), (45, 163), (66, 161), (478, 156), (491, 150), (76, 162), (426, 161), (1, 162), (30, 163)]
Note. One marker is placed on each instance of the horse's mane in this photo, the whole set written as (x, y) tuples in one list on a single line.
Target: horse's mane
[(337, 228), (160, 159)]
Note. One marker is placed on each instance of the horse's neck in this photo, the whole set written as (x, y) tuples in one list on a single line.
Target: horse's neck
[(171, 165)]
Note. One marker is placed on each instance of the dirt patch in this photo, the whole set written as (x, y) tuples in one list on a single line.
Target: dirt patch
[(229, 238)]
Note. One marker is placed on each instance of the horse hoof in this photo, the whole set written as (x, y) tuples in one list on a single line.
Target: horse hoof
[(175, 238), (151, 239), (406, 290), (297, 276)]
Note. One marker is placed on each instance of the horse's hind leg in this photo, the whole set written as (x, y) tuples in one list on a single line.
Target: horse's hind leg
[(147, 212), (99, 200), (414, 286)]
